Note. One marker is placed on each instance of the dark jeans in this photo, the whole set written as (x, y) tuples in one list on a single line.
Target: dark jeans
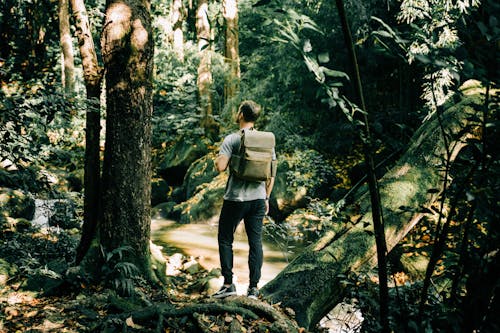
[(252, 213)]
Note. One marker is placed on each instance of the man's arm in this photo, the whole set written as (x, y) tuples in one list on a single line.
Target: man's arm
[(221, 162), (269, 189)]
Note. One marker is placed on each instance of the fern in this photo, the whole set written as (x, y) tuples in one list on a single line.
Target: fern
[(120, 274)]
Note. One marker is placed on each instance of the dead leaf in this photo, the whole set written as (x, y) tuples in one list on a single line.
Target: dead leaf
[(11, 311), (130, 323), (31, 314)]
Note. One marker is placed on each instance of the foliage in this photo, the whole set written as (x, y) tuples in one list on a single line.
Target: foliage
[(119, 274), (177, 111), (41, 130), (29, 40), (431, 36), (308, 169), (33, 253), (293, 63), (292, 105)]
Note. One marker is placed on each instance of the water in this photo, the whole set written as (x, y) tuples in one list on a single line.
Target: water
[(200, 241), (43, 211)]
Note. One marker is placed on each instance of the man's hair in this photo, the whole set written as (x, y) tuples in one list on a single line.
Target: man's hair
[(250, 110)]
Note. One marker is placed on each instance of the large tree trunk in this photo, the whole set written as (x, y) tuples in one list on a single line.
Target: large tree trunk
[(127, 48), (310, 285), (232, 56), (92, 75), (67, 54)]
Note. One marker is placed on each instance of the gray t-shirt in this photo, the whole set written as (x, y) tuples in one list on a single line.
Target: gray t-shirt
[(239, 189)]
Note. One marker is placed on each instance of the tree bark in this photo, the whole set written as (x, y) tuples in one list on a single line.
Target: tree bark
[(232, 56), (178, 35), (311, 283), (204, 80), (127, 48), (92, 75), (67, 54)]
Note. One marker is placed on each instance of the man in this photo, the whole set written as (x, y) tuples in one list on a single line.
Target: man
[(243, 200)]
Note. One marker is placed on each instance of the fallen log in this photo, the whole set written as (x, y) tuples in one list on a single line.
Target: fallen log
[(311, 283)]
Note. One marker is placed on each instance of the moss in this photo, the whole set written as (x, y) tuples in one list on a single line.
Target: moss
[(206, 204), (202, 171), (16, 203)]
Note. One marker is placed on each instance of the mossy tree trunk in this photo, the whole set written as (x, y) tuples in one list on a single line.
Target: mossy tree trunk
[(205, 79), (92, 75), (231, 53), (67, 54), (127, 48), (177, 18), (311, 283)]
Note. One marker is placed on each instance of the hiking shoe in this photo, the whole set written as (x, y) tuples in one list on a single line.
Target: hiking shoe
[(225, 292), (253, 293)]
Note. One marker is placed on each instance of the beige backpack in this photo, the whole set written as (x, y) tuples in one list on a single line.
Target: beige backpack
[(254, 160)]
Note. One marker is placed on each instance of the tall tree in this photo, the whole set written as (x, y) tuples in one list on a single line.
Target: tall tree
[(368, 148), (232, 56), (127, 48), (92, 74), (67, 54), (177, 17), (204, 80)]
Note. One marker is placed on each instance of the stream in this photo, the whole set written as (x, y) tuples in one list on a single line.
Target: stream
[(200, 241)]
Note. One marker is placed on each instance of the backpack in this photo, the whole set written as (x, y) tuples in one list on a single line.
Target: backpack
[(254, 160)]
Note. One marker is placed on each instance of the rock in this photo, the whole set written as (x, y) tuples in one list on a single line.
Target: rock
[(17, 203), (163, 210), (159, 191), (174, 264), (205, 205), (192, 267), (200, 172), (300, 175), (179, 157), (213, 285)]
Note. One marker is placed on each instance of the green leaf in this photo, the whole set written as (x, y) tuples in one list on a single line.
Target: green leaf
[(323, 57)]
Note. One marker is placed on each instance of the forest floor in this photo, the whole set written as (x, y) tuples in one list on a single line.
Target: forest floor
[(88, 308), (95, 309)]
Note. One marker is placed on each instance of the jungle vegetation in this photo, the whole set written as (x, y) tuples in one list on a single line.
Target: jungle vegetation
[(386, 119)]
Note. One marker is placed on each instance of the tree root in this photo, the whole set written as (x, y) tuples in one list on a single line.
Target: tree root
[(280, 321), (236, 310)]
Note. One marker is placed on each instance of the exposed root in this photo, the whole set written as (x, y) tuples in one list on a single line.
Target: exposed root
[(207, 315)]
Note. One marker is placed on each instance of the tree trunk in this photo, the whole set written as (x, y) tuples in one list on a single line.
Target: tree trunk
[(311, 283), (204, 71), (127, 48), (376, 209), (67, 55), (177, 21), (232, 57), (92, 75)]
